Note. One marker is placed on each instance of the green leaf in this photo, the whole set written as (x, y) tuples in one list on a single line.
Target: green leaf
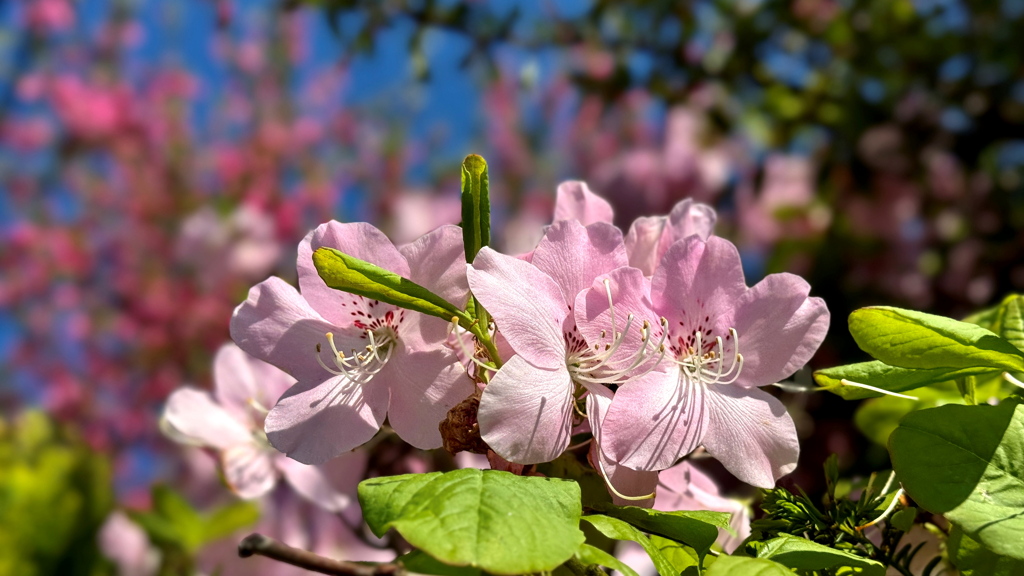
[(881, 375), (904, 519), (878, 417), (1010, 321), (973, 559), (682, 557), (476, 206), (419, 562), (743, 566), (698, 529), (911, 339), (804, 555), (349, 274), (967, 462), (228, 519), (591, 555), (496, 521), (618, 530)]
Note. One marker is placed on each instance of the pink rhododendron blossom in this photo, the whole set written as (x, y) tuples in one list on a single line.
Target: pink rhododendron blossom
[(230, 422), (721, 340), (526, 410), (575, 201), (686, 487), (357, 360), (649, 237)]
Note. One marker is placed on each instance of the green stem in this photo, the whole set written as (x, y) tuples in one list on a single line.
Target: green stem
[(580, 569)]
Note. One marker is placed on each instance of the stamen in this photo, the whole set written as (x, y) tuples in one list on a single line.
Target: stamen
[(846, 382), (465, 351), (608, 482), (1010, 378)]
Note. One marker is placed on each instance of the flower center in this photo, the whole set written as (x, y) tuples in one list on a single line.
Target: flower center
[(359, 366), (603, 363), (708, 361)]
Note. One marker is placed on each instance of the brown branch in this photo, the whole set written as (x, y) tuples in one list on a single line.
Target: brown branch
[(266, 546)]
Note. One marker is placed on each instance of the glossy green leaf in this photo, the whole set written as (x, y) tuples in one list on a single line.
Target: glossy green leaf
[(619, 530), (804, 555), (496, 521), (418, 562), (229, 519), (698, 529), (1010, 321), (967, 462), (349, 274), (476, 205), (743, 566), (588, 554), (911, 339), (880, 375), (681, 557), (973, 559)]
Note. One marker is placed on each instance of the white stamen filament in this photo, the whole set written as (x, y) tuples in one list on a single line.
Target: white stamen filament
[(709, 367), (454, 327), (361, 367), (846, 382)]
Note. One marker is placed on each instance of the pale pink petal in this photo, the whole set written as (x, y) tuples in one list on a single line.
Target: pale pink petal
[(526, 412), (695, 276), (654, 420), (779, 328), (575, 201), (126, 544), (625, 481), (573, 254), (630, 294), (249, 470), (276, 325), (526, 305), (437, 261), (193, 414), (643, 242), (633, 555), (635, 484), (688, 218), (424, 387), (686, 487), (311, 483), (751, 434), (316, 421), (357, 239), (242, 383)]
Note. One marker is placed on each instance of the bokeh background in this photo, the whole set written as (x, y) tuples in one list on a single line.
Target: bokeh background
[(158, 158)]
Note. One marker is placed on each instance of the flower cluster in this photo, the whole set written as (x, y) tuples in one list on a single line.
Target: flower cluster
[(646, 344)]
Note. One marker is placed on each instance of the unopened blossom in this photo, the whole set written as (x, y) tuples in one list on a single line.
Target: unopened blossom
[(230, 421), (527, 409), (719, 341), (356, 359), (125, 544)]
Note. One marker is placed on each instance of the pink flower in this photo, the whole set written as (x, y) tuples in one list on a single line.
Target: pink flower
[(126, 544), (685, 487), (526, 410), (649, 237), (49, 16), (575, 201), (229, 422), (356, 359), (721, 340)]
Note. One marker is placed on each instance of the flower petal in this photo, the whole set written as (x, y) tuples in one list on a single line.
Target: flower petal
[(751, 434), (276, 325), (630, 295), (625, 481), (575, 201), (249, 470), (424, 387), (357, 239), (688, 218), (696, 276), (643, 242), (525, 412), (654, 420), (241, 380), (779, 327), (437, 261), (318, 420), (574, 255), (311, 483), (193, 414), (526, 304)]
